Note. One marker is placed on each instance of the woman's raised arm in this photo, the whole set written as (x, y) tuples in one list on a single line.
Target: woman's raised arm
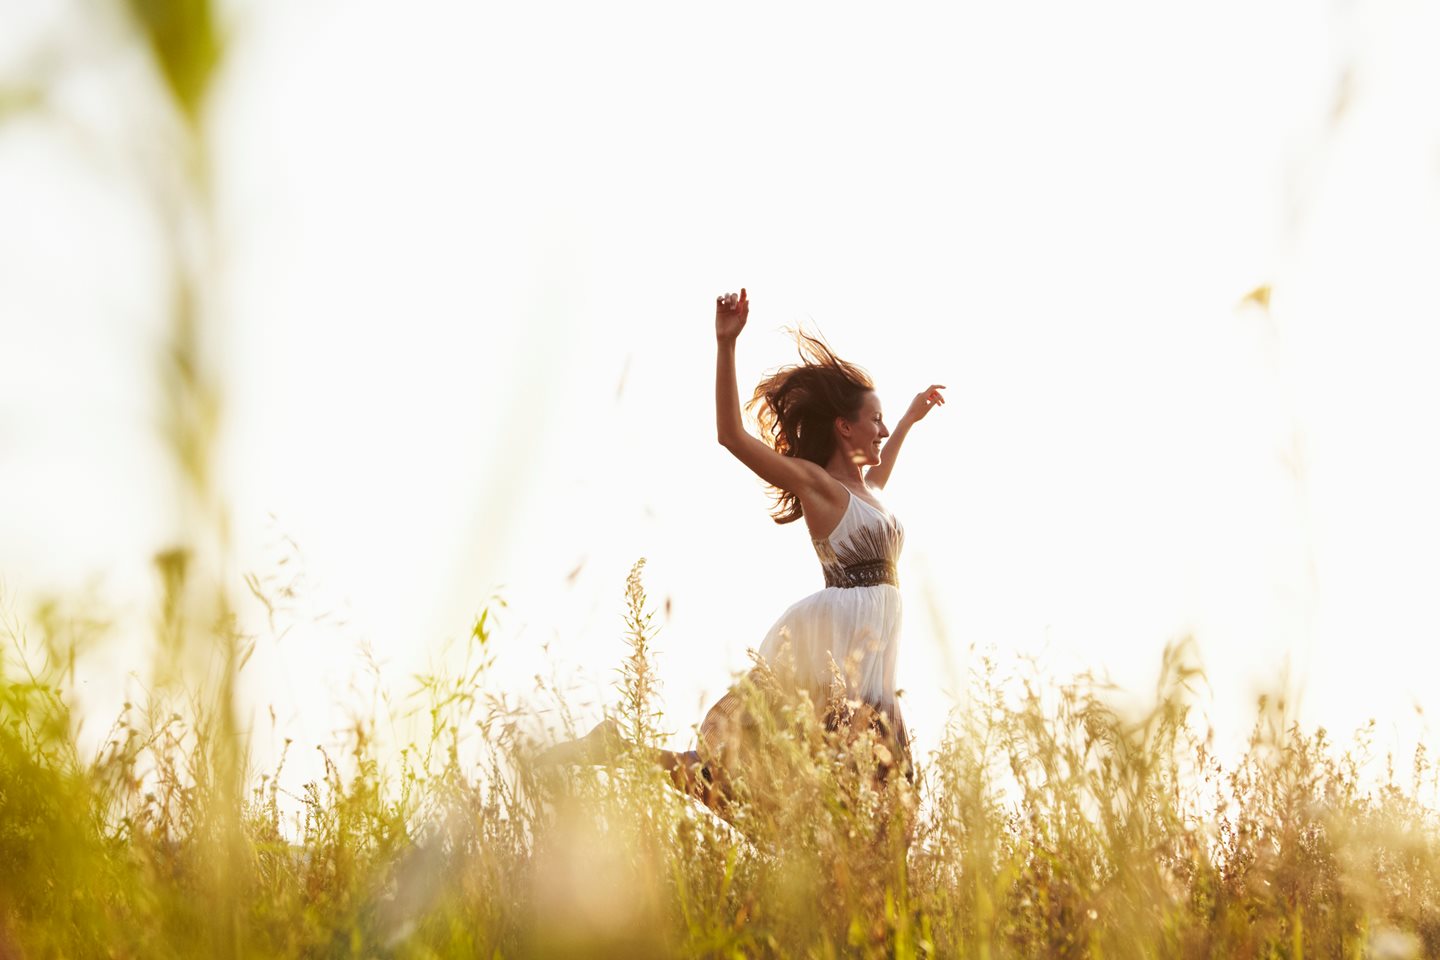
[(879, 475), (800, 477), (731, 313)]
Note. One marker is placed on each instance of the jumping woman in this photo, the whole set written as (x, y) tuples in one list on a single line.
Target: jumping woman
[(827, 453)]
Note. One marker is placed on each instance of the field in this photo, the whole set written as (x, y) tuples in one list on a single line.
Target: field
[(1045, 826)]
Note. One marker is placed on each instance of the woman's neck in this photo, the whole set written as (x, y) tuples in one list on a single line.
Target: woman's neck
[(847, 473)]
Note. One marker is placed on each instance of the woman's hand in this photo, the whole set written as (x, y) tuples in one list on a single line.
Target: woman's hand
[(731, 312), (923, 401)]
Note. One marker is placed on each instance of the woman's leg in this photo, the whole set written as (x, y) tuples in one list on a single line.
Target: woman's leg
[(595, 747), (688, 773), (893, 771), (694, 777)]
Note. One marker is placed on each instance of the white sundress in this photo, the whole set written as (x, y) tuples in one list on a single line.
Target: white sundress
[(855, 620)]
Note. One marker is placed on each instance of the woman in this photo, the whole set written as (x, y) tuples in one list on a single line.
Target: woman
[(826, 454)]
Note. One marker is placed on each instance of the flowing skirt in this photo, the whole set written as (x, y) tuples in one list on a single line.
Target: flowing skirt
[(839, 645)]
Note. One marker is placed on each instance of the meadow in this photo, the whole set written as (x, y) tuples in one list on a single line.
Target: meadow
[(1045, 825)]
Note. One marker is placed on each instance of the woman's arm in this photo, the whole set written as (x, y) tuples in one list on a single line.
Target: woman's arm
[(731, 312), (879, 475), (799, 477)]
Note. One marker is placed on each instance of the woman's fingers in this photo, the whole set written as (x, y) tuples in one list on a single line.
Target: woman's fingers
[(729, 301)]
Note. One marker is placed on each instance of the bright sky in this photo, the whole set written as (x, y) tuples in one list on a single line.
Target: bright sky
[(469, 260)]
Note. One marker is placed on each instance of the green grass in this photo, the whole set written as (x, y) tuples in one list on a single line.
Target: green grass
[(1044, 826)]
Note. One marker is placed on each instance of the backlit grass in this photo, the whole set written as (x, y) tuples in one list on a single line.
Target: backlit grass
[(1044, 825)]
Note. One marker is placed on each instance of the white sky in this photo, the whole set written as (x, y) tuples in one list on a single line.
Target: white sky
[(469, 263)]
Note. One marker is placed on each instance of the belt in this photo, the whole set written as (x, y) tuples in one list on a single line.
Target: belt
[(868, 573)]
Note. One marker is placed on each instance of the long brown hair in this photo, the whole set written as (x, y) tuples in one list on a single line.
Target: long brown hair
[(796, 407)]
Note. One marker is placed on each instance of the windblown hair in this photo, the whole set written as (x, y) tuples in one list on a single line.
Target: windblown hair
[(796, 407)]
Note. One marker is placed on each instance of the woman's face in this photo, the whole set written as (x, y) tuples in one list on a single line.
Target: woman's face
[(866, 431)]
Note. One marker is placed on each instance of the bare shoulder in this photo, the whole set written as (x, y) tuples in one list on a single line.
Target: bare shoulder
[(824, 503), (819, 492), (825, 494), (819, 482), (816, 479)]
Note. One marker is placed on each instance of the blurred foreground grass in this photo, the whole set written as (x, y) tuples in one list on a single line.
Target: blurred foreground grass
[(1050, 827)]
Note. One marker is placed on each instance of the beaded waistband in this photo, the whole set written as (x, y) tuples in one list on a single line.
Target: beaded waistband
[(870, 573)]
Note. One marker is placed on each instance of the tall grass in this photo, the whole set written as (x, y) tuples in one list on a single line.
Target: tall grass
[(1050, 826)]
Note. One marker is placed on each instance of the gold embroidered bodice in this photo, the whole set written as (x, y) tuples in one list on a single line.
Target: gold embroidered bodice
[(863, 548)]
